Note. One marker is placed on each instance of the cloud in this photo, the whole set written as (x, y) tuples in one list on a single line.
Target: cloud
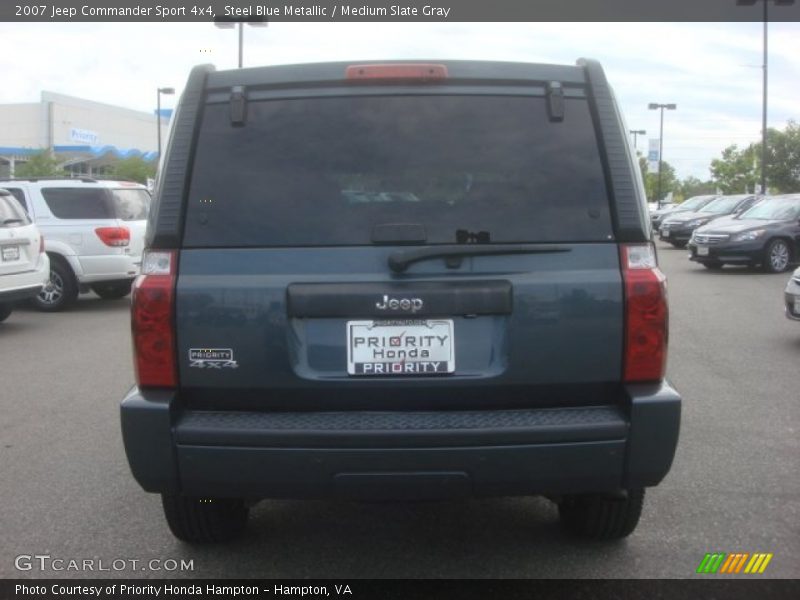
[(711, 70)]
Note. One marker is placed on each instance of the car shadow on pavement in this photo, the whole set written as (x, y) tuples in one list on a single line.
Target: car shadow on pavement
[(506, 537)]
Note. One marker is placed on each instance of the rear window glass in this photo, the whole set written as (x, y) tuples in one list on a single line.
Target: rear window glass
[(19, 195), (11, 212), (131, 204), (78, 203), (327, 172)]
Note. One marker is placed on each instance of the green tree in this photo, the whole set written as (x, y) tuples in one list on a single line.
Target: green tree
[(692, 186), (669, 183), (737, 172), (134, 168), (783, 159), (41, 164)]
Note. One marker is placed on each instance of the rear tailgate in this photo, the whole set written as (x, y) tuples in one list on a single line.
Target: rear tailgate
[(286, 295), (19, 239), (253, 331)]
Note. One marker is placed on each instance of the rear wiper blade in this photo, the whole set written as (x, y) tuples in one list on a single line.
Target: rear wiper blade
[(400, 260), (7, 221)]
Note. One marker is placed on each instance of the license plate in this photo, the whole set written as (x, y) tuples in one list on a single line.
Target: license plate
[(797, 306), (702, 251), (400, 347), (665, 233), (10, 253)]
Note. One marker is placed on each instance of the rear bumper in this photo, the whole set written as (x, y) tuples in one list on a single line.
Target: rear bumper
[(21, 286), (108, 267), (400, 454)]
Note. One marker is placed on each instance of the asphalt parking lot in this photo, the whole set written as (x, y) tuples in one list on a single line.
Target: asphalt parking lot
[(734, 487)]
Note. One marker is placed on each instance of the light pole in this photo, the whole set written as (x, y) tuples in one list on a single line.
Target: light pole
[(656, 106), (228, 23), (636, 132), (167, 91), (764, 86)]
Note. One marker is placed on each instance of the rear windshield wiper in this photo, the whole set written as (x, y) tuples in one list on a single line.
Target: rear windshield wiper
[(8, 221), (399, 261)]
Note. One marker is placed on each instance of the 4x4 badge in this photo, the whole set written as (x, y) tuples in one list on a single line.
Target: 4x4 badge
[(212, 358)]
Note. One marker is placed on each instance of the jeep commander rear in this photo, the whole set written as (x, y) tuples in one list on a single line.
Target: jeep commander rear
[(397, 281)]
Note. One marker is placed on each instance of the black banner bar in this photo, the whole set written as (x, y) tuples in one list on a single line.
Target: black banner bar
[(397, 10), (367, 589)]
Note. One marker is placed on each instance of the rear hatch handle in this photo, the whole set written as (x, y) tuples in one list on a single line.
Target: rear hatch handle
[(400, 260)]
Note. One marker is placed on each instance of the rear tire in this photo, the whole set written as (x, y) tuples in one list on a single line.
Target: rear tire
[(5, 311), (205, 520), (60, 291), (600, 517), (112, 290)]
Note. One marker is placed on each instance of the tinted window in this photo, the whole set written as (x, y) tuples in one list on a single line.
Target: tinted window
[(722, 205), (78, 203), (695, 202), (11, 213), (19, 195), (316, 172), (131, 204)]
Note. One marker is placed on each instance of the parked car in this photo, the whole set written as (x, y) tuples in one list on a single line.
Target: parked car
[(677, 229), (94, 234), (767, 234), (486, 318), (24, 266), (792, 296), (692, 204)]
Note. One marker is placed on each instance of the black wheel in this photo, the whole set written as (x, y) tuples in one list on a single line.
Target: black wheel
[(714, 266), (112, 290), (60, 291), (203, 520), (777, 256), (601, 517), (5, 311), (679, 244)]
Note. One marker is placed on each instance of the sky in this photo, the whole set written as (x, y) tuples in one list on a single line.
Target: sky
[(712, 71)]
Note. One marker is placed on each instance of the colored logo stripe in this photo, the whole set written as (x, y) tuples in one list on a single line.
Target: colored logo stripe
[(711, 562), (721, 562), (758, 563)]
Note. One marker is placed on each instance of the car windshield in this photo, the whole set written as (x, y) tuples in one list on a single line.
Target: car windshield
[(774, 210), (131, 204), (694, 202), (723, 205)]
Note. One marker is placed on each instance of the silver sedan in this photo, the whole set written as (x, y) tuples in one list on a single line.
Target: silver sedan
[(792, 296)]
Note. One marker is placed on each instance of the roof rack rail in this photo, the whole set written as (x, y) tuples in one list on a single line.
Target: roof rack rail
[(54, 178)]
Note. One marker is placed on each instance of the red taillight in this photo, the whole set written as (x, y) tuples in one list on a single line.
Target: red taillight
[(645, 314), (152, 308), (417, 71), (114, 236)]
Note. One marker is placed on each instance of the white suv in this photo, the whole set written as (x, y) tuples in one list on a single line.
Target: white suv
[(24, 267), (93, 231)]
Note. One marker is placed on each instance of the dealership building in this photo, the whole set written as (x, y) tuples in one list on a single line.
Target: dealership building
[(86, 137)]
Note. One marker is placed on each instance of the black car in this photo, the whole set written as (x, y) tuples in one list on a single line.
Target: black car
[(399, 280), (677, 229), (692, 204), (768, 234)]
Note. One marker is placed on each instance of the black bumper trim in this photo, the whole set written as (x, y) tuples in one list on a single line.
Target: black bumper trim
[(358, 429)]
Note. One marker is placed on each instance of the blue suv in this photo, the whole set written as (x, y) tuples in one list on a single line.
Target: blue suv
[(399, 281)]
